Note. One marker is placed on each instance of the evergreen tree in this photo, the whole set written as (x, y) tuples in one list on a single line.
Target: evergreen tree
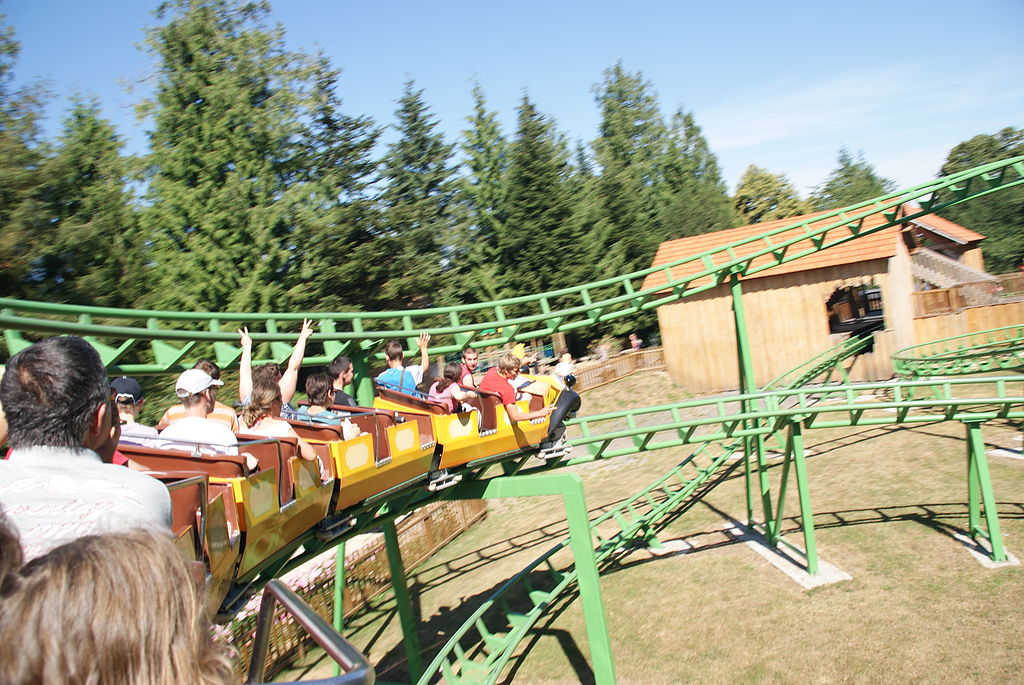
[(339, 268), (85, 244), (481, 190), (225, 115), (537, 237), (764, 196), (20, 157), (695, 196), (629, 149), (853, 181), (999, 216), (416, 205)]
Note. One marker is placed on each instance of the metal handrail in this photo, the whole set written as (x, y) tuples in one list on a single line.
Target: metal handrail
[(356, 667)]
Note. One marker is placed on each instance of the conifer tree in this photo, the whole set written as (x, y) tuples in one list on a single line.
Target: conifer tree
[(852, 181), (416, 206), (764, 196), (85, 246), (223, 144), (629, 149), (695, 196), (338, 266), (998, 216), (481, 190), (21, 154), (537, 237)]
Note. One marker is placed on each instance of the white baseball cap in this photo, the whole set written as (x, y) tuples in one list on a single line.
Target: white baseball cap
[(193, 382)]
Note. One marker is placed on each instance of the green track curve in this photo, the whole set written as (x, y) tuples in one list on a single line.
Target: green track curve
[(997, 349)]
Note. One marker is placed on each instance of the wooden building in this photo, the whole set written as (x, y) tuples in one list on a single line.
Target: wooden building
[(797, 310)]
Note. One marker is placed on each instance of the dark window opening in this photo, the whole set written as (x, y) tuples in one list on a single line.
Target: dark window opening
[(856, 310)]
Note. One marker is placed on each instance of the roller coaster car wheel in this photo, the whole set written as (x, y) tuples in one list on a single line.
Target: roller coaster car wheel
[(439, 480)]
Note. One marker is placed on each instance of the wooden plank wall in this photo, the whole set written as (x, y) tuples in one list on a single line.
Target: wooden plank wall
[(787, 324), (968, 320)]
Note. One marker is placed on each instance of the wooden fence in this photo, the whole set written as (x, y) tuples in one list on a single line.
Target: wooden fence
[(593, 374), (367, 574), (1005, 289)]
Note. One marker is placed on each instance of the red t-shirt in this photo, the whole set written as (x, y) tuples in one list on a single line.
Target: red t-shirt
[(495, 382)]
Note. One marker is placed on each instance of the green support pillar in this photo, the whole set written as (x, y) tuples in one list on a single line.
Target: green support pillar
[(746, 372), (339, 593), (581, 542), (411, 639), (362, 383), (978, 481), (806, 511)]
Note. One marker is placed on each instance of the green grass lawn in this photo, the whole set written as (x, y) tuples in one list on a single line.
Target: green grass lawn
[(886, 503)]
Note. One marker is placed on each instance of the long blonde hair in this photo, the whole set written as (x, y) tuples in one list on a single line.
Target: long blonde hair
[(115, 609), (262, 401)]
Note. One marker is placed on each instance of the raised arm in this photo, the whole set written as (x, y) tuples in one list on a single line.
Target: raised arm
[(422, 344), (245, 365), (290, 377)]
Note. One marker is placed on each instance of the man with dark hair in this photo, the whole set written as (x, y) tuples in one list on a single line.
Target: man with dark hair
[(341, 371), (400, 377), (55, 487)]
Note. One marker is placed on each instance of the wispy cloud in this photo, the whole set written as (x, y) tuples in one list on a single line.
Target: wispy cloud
[(907, 114)]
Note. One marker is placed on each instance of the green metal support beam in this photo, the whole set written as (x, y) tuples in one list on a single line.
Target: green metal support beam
[(979, 482)]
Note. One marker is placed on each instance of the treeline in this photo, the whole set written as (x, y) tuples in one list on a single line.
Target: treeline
[(259, 192)]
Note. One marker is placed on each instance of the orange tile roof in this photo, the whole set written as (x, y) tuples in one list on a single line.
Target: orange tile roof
[(955, 231), (878, 245)]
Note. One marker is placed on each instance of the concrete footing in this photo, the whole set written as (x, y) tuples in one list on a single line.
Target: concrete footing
[(788, 562)]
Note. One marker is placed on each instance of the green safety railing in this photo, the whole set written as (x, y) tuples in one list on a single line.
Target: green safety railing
[(171, 336), (998, 349), (620, 433)]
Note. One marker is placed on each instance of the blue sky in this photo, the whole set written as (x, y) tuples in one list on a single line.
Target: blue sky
[(782, 85)]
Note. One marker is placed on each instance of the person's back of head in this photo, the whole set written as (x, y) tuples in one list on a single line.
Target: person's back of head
[(211, 369), (393, 351), (451, 374), (117, 609), (11, 557), (127, 395), (194, 387), (266, 373), (51, 391), (319, 389), (264, 401)]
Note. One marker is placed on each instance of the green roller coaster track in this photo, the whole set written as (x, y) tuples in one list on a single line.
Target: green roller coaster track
[(999, 349), (727, 432)]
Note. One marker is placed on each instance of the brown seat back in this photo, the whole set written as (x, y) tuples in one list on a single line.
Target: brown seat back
[(536, 402), (273, 453), (154, 459), (487, 403), (310, 430), (406, 400), (189, 491)]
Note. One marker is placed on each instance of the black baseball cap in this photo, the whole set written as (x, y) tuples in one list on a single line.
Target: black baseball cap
[(126, 390)]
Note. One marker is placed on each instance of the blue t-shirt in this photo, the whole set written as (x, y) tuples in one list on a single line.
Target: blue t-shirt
[(326, 417), (403, 380)]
